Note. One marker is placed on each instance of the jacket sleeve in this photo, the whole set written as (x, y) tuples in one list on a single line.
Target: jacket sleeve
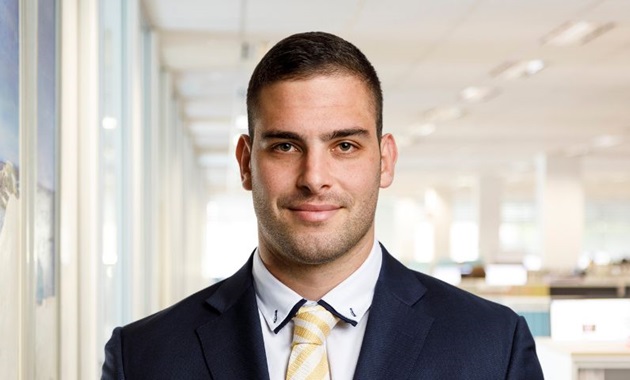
[(113, 365), (524, 364)]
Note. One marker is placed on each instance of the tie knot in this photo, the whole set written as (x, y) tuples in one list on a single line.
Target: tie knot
[(312, 324)]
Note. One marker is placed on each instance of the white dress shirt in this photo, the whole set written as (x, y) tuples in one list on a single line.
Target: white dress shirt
[(351, 298)]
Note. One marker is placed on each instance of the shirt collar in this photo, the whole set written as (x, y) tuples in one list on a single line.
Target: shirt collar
[(351, 298)]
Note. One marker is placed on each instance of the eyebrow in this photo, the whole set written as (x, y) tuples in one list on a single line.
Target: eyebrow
[(340, 133), (282, 135)]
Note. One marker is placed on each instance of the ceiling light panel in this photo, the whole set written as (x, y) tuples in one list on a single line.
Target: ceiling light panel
[(518, 69), (575, 33), (607, 141), (422, 130), (477, 94), (442, 114)]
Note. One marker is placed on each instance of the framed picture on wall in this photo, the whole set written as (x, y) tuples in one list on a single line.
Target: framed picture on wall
[(9, 109), (9, 184)]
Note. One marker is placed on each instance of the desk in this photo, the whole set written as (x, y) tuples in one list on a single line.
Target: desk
[(584, 360)]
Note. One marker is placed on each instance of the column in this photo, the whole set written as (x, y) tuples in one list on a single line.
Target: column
[(489, 198), (560, 200), (439, 206)]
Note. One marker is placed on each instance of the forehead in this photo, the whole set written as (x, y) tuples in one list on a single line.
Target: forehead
[(317, 96), (324, 86)]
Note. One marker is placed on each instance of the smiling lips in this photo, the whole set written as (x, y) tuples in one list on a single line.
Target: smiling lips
[(314, 212)]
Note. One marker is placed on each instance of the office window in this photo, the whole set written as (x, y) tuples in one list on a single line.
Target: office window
[(114, 185), (607, 230), (518, 233), (46, 290), (464, 238)]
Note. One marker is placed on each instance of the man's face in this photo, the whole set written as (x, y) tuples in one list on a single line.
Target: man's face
[(315, 167)]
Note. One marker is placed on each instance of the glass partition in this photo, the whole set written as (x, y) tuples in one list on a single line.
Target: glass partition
[(46, 226)]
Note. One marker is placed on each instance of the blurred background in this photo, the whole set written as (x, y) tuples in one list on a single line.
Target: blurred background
[(120, 194)]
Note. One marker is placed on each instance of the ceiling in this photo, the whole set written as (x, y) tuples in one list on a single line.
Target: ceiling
[(426, 52)]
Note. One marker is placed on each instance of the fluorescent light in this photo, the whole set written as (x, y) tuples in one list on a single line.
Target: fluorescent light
[(576, 33), (518, 69), (422, 130), (607, 141), (534, 66), (442, 114), (109, 122), (477, 94)]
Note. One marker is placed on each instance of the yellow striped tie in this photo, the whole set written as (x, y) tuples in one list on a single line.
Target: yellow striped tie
[(308, 351)]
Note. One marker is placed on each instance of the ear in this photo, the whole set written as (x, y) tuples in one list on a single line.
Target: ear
[(243, 156), (389, 155)]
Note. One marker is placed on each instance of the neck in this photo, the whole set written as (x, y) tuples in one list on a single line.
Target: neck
[(313, 282)]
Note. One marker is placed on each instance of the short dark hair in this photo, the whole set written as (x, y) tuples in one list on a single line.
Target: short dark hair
[(306, 55)]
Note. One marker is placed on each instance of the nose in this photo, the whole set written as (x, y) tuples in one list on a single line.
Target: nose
[(315, 172)]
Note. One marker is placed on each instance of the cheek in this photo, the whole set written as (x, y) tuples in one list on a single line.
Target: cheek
[(360, 178), (269, 179)]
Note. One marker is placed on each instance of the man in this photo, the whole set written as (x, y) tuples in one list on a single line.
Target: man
[(315, 159)]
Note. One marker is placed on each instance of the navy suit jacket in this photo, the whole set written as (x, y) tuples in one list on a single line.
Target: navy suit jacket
[(418, 328)]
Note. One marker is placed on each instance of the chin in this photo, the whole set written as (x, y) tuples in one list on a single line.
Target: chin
[(315, 250)]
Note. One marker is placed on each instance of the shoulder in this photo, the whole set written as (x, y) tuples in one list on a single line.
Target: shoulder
[(197, 308), (158, 345), (439, 299), (446, 299), (475, 330), (185, 312), (168, 344)]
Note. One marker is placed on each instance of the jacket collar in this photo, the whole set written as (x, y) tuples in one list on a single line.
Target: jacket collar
[(397, 325), (231, 340)]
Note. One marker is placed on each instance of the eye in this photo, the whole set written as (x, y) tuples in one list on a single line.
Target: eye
[(345, 146), (284, 147)]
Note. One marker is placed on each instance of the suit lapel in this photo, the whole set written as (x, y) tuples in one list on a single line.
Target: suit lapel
[(232, 339), (397, 324)]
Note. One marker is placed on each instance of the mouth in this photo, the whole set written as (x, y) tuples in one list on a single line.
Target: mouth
[(314, 213)]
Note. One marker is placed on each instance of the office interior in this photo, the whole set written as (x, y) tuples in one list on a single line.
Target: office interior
[(120, 194)]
